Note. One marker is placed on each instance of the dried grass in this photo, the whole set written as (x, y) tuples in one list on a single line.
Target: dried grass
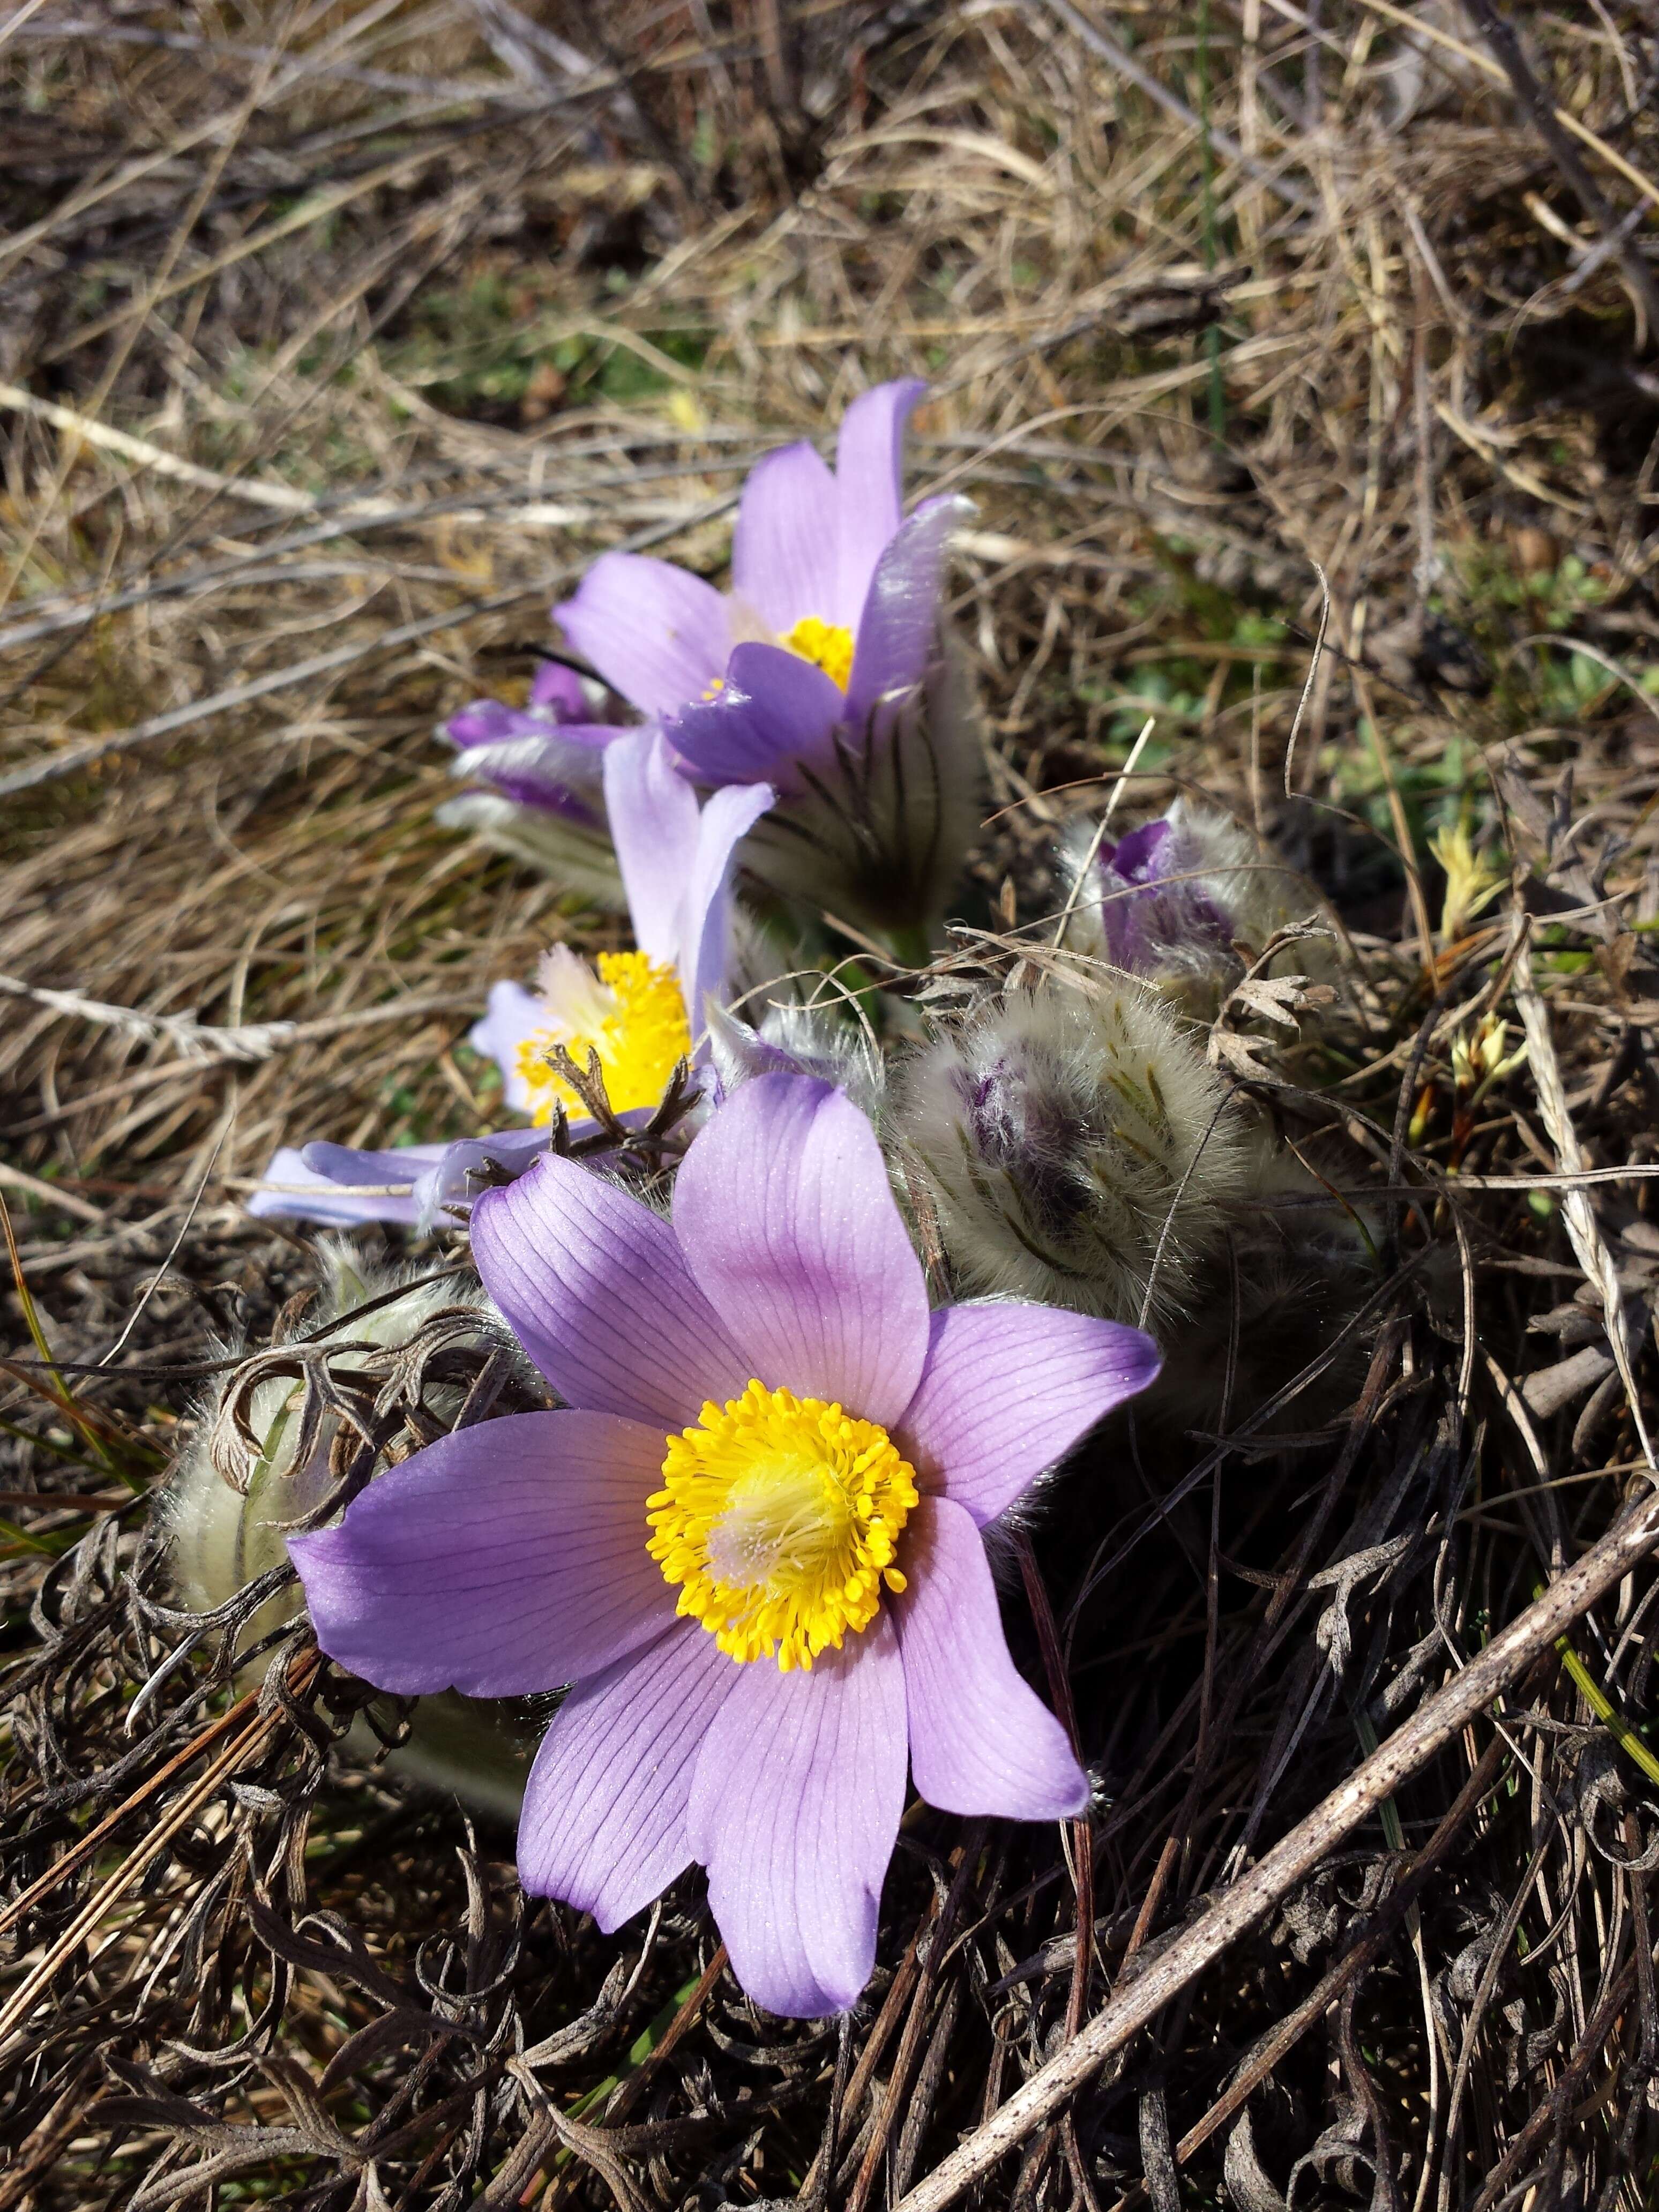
[(335, 340)]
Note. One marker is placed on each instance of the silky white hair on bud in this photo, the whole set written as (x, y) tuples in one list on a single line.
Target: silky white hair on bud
[(792, 1039), (797, 1023), (1078, 1149)]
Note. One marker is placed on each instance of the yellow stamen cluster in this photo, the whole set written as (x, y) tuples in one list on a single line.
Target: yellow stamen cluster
[(828, 646), (642, 1038), (779, 1517)]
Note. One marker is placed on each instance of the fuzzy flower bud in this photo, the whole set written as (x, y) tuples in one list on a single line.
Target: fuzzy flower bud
[(1276, 1336), (1076, 1149), (1184, 901), (227, 1522)]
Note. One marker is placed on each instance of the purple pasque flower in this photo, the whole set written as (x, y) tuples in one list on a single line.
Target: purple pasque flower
[(543, 764), (825, 671), (642, 1012), (753, 1540)]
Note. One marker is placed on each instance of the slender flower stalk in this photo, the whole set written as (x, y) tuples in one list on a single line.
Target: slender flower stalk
[(642, 1013), (753, 1540)]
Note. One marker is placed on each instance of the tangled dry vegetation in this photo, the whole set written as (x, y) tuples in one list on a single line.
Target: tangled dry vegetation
[(333, 339)]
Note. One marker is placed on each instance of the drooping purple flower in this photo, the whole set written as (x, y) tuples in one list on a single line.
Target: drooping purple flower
[(752, 1542), (825, 671), (642, 1012), (542, 767)]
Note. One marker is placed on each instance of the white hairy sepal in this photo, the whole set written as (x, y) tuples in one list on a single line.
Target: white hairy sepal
[(576, 858), (790, 1038), (1078, 1149), (877, 831)]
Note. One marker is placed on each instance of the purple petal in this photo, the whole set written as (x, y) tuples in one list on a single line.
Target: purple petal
[(728, 816), (512, 1017), (489, 722), (348, 1164), (560, 689), (787, 1222), (292, 1191), (900, 622), (795, 1805), (1008, 1389), (594, 1287), (558, 768), (774, 708), (869, 486), (1135, 858), (652, 812), (456, 1177), (505, 1559), (657, 634), (603, 1821), (982, 1741), (783, 550)]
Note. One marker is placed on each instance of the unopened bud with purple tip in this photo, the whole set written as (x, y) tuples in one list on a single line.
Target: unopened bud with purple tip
[(1187, 901)]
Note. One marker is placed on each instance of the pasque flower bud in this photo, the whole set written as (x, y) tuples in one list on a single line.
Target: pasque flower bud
[(1185, 901), (1077, 1148), (227, 1520)]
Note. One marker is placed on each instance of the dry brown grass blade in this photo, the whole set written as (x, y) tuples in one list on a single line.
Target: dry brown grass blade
[(190, 1803), (1600, 1269)]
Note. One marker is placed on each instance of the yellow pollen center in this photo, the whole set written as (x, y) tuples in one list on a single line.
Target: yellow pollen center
[(778, 1518), (828, 646), (641, 1040)]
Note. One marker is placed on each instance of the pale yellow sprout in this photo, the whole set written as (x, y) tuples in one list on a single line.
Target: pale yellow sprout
[(1479, 1059), (1471, 881)]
